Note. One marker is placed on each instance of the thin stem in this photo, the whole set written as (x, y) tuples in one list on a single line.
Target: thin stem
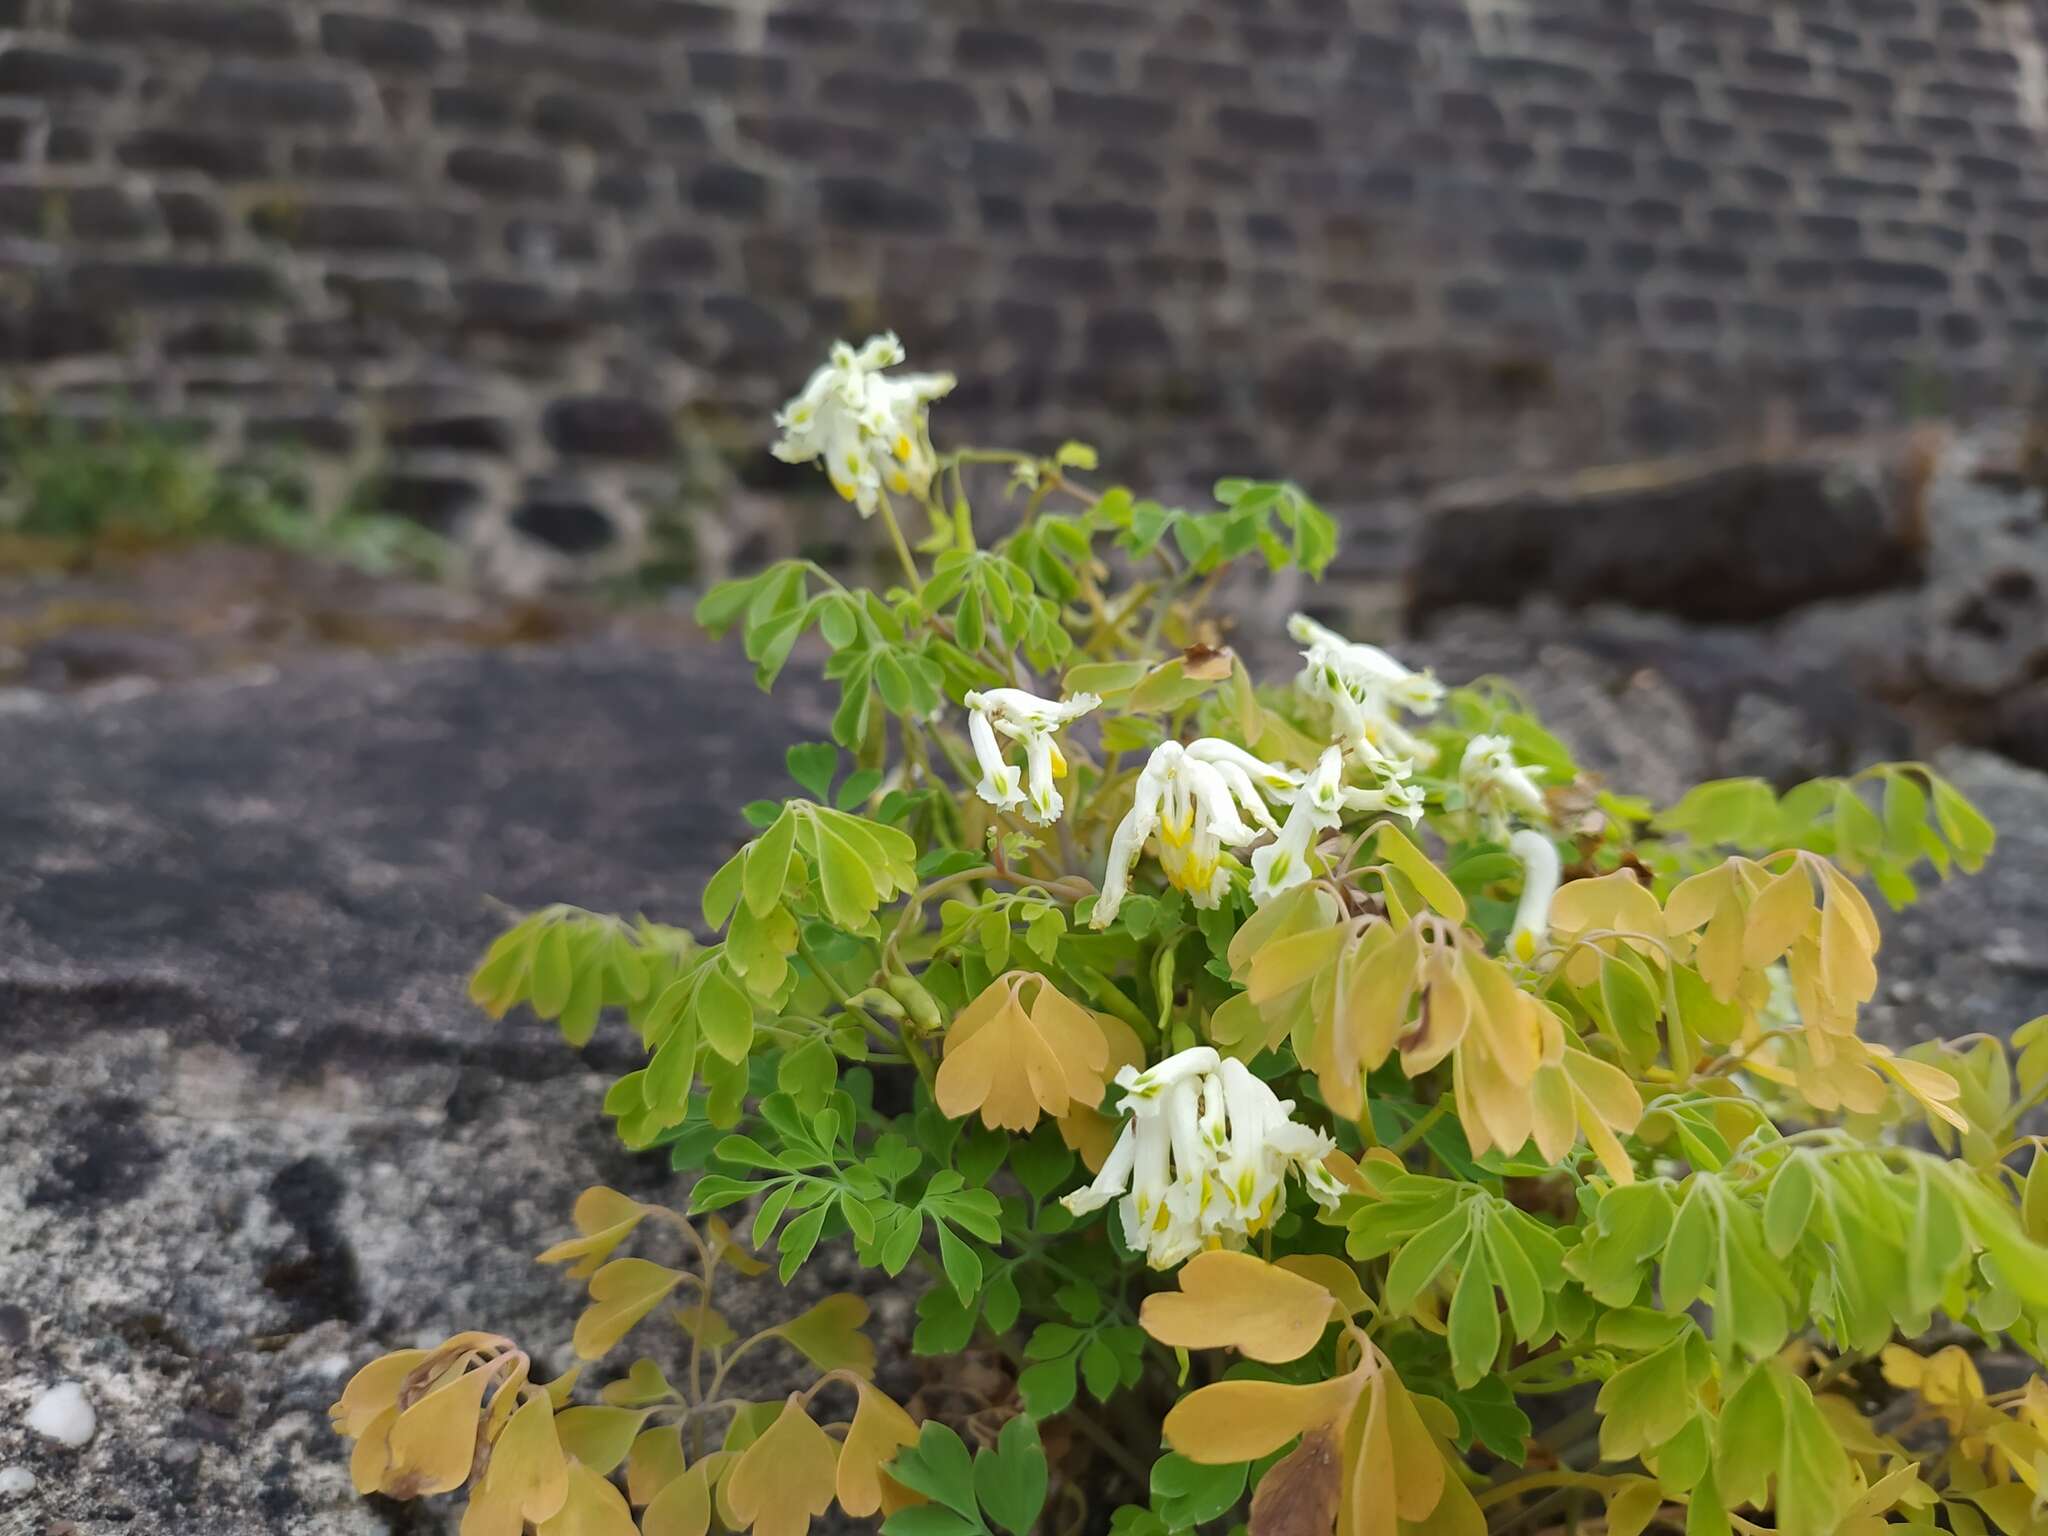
[(1422, 1127), (1536, 1481), (902, 547)]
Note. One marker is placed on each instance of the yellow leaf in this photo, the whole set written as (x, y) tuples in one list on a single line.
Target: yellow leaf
[(1292, 912), (527, 1471), (1694, 901), (562, 1386), (1934, 1090), (1292, 962), (1090, 1133), (594, 1508), (621, 1293), (1232, 1421), (1333, 1275), (1781, 913), (704, 1323), (600, 1437), (829, 1335), (605, 1218), (729, 1250), (785, 1479), (642, 1386), (1614, 903), (371, 1458), (1633, 1506), (488, 1515), (434, 1441), (1417, 1451), (655, 1461), (683, 1508), (1011, 1062), (1374, 987), (373, 1389), (1440, 1026), (1238, 1301), (880, 1429), (1430, 883), (1718, 954)]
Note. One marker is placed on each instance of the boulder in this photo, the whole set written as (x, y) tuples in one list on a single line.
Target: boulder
[(255, 1132), (1719, 541)]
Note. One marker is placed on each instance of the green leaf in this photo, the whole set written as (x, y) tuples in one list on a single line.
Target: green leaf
[(1011, 1480), (944, 1324), (848, 888), (725, 1016), (1789, 1205), (938, 1467), (963, 1268), (1186, 1493), (1423, 1257), (1474, 1320), (767, 866), (1048, 1386), (553, 974), (1968, 833), (812, 764), (929, 1520)]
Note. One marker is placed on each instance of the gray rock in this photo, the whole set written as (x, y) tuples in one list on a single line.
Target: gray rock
[(1718, 541), (255, 1133)]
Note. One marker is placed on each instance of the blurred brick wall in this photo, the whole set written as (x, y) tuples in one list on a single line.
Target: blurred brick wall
[(490, 249)]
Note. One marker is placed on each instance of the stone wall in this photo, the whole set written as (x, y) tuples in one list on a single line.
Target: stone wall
[(512, 258)]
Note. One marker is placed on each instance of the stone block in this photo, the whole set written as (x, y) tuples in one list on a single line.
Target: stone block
[(609, 427), (508, 174), (28, 69), (264, 31), (881, 207), (385, 42)]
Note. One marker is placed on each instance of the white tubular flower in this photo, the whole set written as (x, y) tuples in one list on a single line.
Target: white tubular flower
[(1027, 718), (1538, 856), (1318, 805), (1142, 1088), (868, 430), (1362, 686), (1397, 797), (1367, 669), (1193, 799), (1495, 784), (1205, 1159)]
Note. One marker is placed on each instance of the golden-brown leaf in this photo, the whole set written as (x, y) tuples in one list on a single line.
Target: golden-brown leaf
[(371, 1458), (1298, 1495), (621, 1293), (880, 1429), (1011, 1061), (489, 1515), (606, 1218), (373, 1389), (1333, 1275), (655, 1461), (1233, 1421), (1430, 883), (434, 1441), (1616, 903), (1238, 1301), (785, 1479), (528, 1471), (1781, 914), (829, 1336)]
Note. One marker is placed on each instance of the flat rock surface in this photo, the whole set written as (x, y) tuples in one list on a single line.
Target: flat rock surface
[(254, 1133)]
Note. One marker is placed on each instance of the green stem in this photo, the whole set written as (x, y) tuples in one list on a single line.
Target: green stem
[(902, 547), (1422, 1127)]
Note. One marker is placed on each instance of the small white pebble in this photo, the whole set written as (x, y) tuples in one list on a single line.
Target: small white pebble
[(63, 1414), (16, 1481)]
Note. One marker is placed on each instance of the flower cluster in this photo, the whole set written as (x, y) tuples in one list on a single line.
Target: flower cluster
[(869, 430), (1190, 797), (1027, 718), (1496, 786), (1363, 687), (1205, 1158)]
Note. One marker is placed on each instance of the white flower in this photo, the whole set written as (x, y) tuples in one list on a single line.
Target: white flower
[(1205, 1158), (1193, 799), (1538, 856), (1362, 686), (1318, 806), (1495, 784), (868, 430), (1027, 718)]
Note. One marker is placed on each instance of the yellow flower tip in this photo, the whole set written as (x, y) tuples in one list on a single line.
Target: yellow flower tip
[(844, 489), (903, 445), (1059, 762), (900, 483), (1525, 945)]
